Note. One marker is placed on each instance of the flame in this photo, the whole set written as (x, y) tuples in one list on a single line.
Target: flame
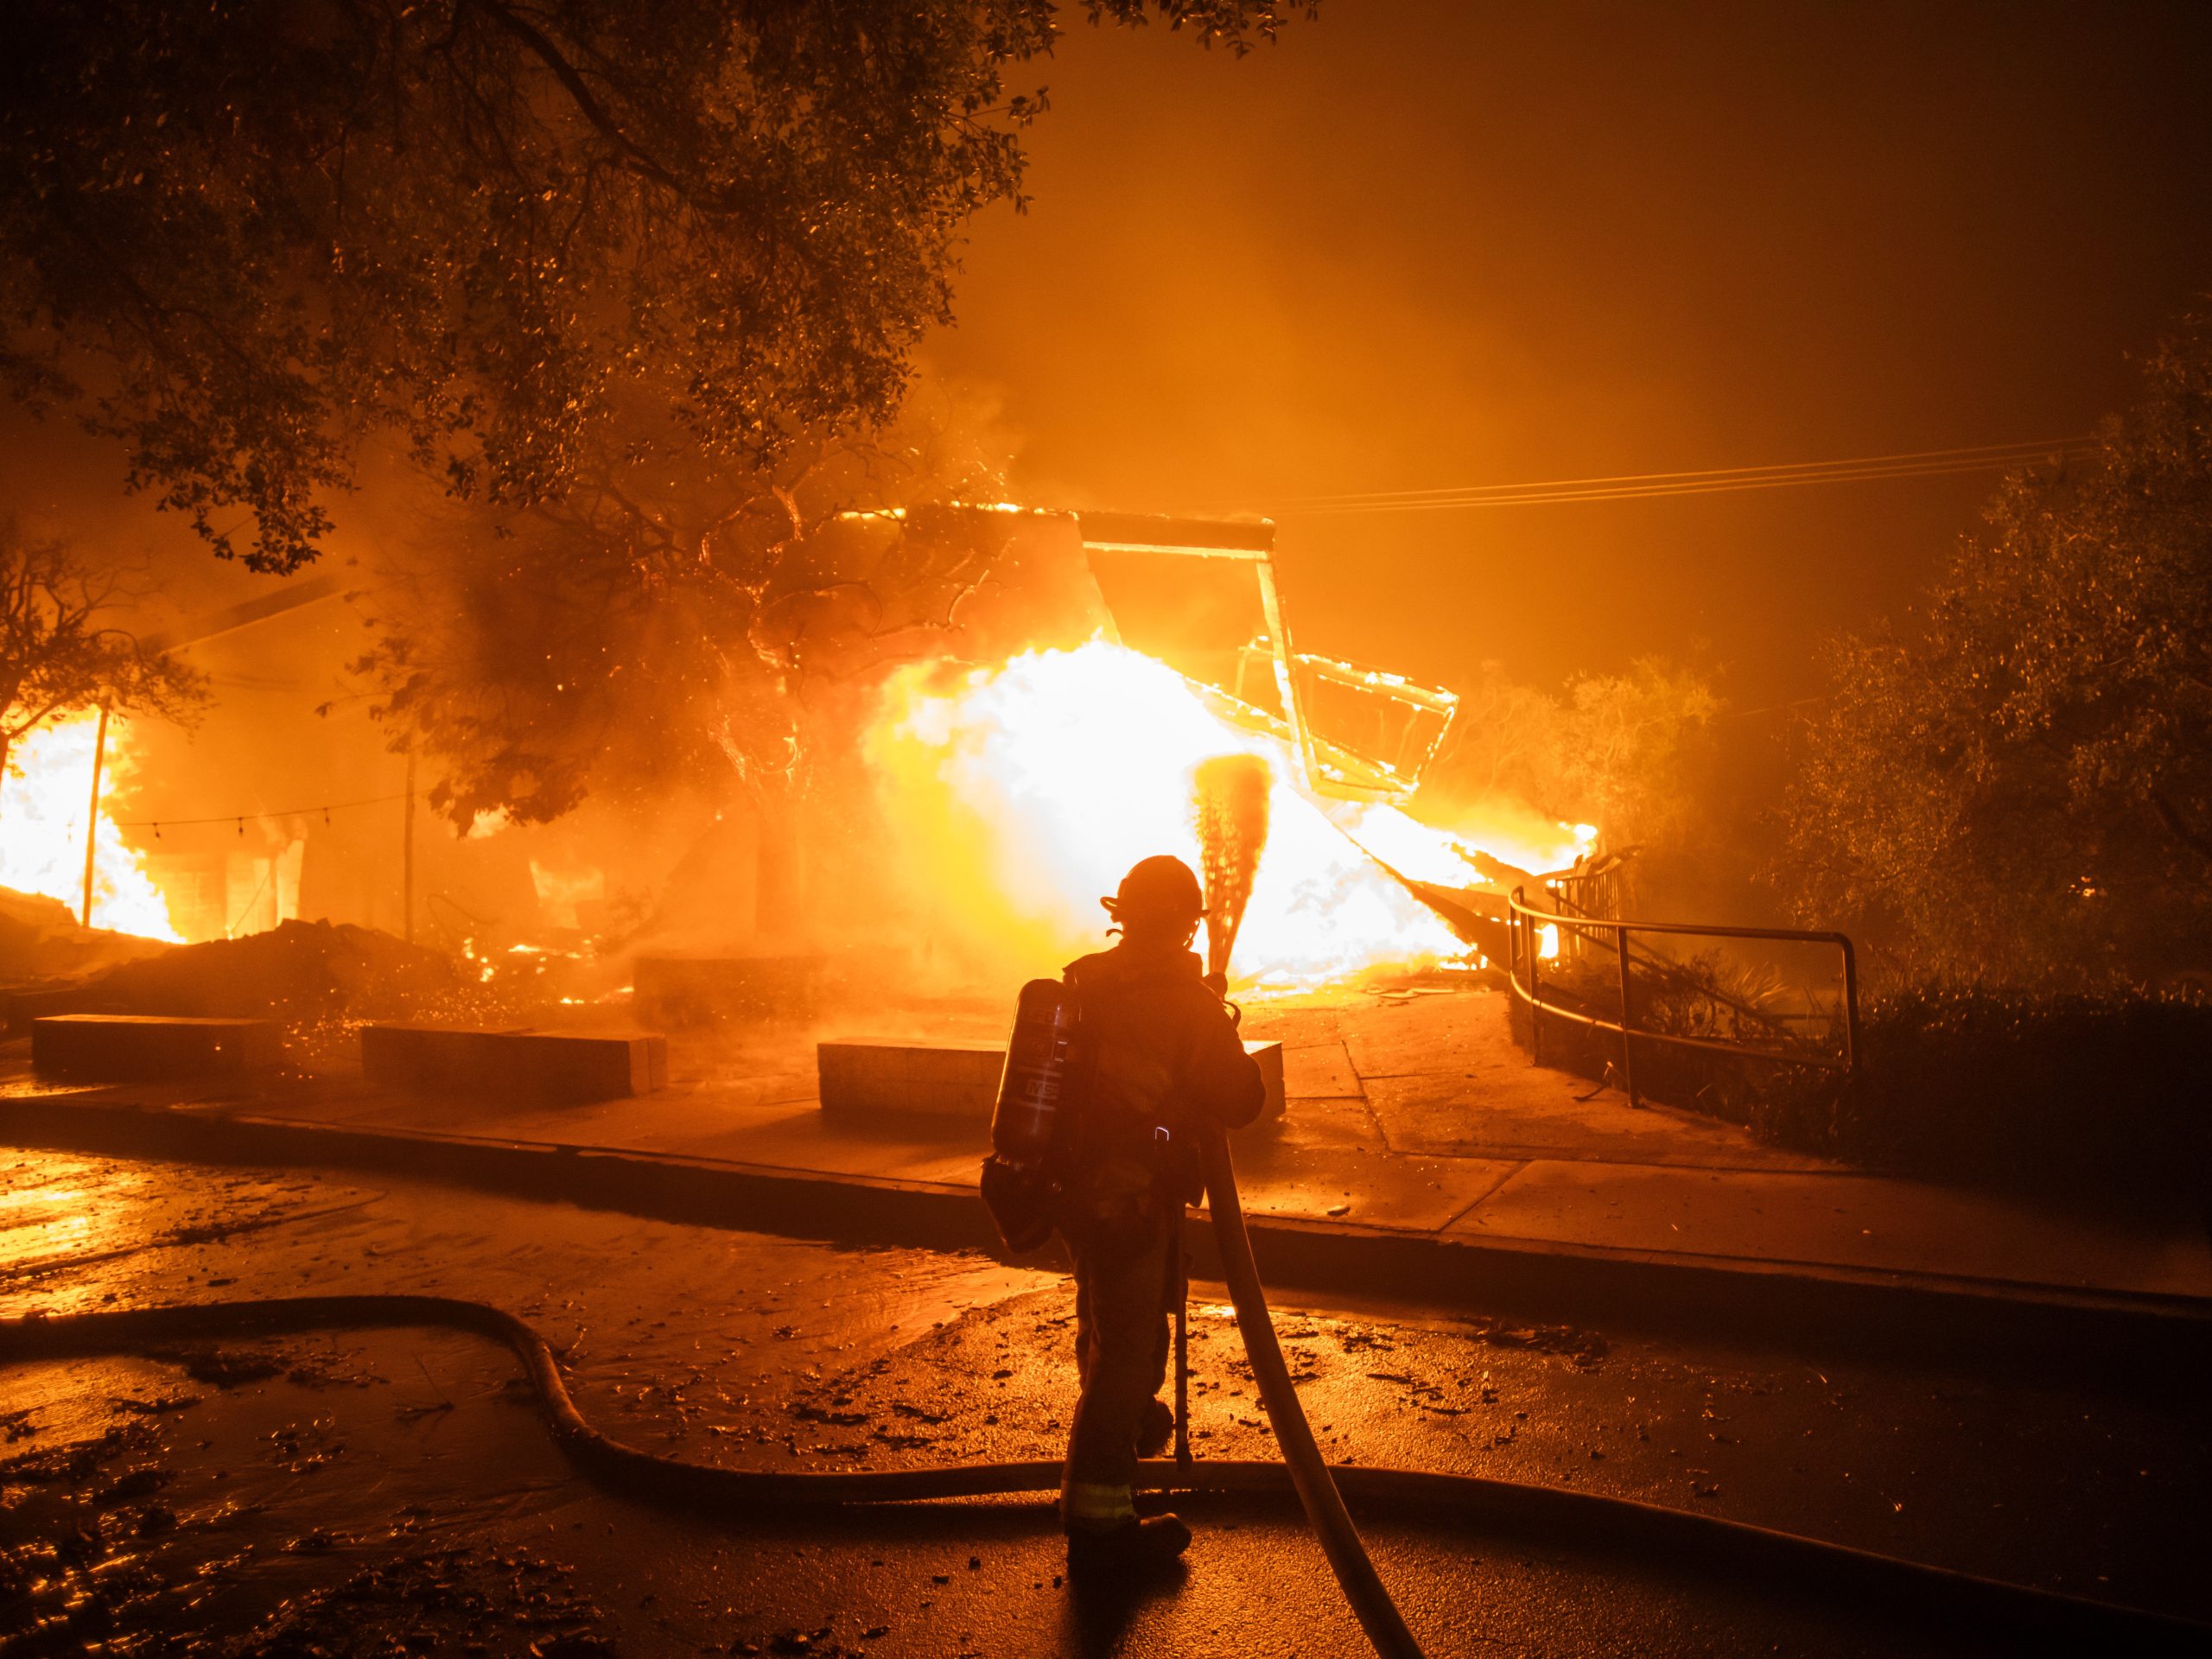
[(42, 802), (1023, 791)]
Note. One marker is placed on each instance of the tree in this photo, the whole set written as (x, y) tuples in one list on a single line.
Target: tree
[(57, 658), (682, 640), (1612, 752), (662, 624), (251, 239), (1622, 745), (2020, 788)]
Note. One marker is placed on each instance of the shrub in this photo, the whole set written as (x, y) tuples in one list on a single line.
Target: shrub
[(2105, 1094), (2018, 1089)]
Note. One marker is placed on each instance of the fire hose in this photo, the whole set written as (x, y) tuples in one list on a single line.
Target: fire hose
[(1309, 1473), (1230, 796), (1589, 1520)]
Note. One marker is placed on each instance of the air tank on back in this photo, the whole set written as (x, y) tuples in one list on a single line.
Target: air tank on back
[(1033, 1091)]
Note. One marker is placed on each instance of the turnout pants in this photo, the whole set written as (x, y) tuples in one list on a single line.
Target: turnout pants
[(1121, 1289)]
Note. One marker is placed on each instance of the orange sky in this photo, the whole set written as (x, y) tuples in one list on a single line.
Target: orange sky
[(1433, 244), (1430, 243)]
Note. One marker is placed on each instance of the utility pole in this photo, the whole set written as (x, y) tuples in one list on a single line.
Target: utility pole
[(407, 857), (92, 818)]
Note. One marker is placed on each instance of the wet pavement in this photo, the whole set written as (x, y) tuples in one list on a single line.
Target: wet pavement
[(1409, 1116), (387, 1491)]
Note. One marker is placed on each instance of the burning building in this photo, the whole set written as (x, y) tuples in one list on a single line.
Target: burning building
[(986, 769), (1026, 785)]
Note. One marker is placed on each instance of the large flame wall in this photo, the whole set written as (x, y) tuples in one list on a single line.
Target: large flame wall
[(43, 800), (1021, 792)]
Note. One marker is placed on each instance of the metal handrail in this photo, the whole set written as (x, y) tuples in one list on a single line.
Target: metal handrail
[(1779, 1024), (1523, 919)]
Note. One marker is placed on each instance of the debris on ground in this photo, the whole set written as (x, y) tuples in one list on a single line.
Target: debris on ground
[(296, 971), (225, 1367), (41, 942), (1586, 1349), (317, 980), (460, 1601)]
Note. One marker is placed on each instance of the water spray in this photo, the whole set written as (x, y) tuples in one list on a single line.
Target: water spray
[(1230, 795)]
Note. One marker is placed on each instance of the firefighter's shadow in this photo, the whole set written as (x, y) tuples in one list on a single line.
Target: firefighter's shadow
[(1099, 1610)]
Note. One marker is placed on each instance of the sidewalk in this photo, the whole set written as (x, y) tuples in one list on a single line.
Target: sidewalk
[(1412, 1122)]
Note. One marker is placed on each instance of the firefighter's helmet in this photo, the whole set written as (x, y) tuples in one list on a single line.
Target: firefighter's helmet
[(1158, 889)]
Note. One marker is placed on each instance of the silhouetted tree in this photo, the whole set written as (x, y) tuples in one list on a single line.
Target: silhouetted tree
[(245, 236), (58, 657), (2020, 786), (1613, 751), (666, 623)]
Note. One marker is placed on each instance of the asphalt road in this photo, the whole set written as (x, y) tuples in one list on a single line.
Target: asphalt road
[(380, 1492)]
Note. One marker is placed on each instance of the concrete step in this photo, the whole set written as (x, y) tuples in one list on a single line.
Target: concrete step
[(23, 1008), (514, 1063), (118, 1048), (865, 1080)]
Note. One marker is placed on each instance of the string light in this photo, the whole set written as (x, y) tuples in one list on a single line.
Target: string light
[(326, 808)]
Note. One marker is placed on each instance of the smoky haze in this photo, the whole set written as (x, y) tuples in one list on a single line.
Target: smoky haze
[(1423, 245), (1412, 245)]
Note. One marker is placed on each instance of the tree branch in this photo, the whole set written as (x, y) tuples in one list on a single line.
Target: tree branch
[(2178, 826), (586, 104)]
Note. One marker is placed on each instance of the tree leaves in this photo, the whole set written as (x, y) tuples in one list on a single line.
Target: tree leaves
[(57, 654), (1614, 751), (2022, 788), (243, 238)]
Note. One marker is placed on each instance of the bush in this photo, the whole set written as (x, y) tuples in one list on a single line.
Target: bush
[(2018, 1089), (2103, 1095)]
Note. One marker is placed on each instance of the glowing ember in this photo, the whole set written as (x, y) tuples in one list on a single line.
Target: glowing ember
[(1025, 790), (43, 803)]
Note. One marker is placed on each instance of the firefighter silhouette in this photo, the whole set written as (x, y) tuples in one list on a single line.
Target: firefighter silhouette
[(1161, 1058)]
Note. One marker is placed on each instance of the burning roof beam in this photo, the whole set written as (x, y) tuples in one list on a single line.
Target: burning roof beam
[(1251, 540), (1427, 715), (1330, 768)]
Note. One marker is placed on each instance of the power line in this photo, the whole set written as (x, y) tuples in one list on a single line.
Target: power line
[(1770, 708), (1966, 452), (1925, 463), (1650, 492)]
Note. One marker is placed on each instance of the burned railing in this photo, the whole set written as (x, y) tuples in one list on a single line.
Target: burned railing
[(1671, 974), (1525, 924)]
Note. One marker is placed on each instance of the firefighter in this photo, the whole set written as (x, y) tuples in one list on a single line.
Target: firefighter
[(1162, 1057)]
